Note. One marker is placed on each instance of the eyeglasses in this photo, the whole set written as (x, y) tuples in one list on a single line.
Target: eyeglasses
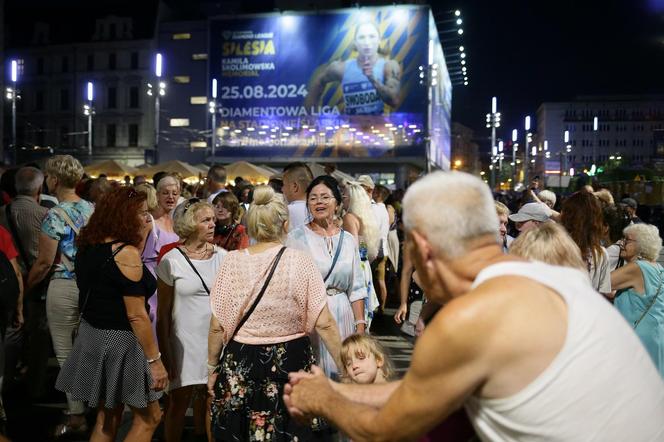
[(325, 199), (190, 202)]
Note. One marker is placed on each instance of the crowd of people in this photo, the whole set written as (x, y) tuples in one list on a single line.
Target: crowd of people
[(254, 304)]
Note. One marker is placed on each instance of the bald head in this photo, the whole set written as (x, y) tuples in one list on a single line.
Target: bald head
[(297, 177)]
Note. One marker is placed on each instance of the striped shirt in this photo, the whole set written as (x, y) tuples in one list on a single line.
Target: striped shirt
[(27, 216)]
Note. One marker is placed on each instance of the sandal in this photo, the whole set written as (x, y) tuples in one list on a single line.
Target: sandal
[(67, 429)]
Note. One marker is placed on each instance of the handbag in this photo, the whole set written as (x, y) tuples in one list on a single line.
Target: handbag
[(196, 271), (74, 332), (256, 301)]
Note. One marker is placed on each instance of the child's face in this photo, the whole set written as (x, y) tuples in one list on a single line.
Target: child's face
[(362, 367)]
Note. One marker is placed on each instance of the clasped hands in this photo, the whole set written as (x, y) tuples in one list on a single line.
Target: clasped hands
[(306, 394)]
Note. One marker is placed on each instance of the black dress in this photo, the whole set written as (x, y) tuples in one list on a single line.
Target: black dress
[(107, 364)]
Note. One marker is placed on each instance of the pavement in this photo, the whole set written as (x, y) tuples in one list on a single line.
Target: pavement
[(34, 420)]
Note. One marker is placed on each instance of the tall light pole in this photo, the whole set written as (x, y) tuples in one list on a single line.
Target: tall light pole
[(501, 156), (527, 161), (595, 128), (515, 134), (493, 122), (14, 92), (157, 94), (213, 111), (89, 111)]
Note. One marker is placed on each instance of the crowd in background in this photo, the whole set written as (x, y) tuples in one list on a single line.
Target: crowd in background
[(213, 293)]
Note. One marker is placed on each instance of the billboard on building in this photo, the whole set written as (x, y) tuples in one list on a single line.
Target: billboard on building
[(342, 83)]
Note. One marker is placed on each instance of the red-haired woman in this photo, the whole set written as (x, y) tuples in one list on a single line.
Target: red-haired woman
[(582, 217), (115, 360)]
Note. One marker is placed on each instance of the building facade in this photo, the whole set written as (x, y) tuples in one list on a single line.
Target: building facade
[(465, 151), (626, 127)]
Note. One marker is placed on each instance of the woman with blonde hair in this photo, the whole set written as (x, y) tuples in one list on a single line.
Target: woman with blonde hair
[(265, 302), (151, 193), (548, 243), (359, 221), (185, 275), (59, 231)]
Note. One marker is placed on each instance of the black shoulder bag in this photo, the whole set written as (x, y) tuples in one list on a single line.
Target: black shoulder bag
[(256, 301), (336, 255), (196, 271)]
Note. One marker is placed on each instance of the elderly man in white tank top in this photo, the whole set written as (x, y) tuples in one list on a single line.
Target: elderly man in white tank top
[(530, 350)]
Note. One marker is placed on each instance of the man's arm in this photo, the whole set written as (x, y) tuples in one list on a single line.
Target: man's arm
[(447, 367), (48, 248), (389, 91)]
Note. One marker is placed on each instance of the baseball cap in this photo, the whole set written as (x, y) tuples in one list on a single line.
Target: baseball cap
[(366, 181), (631, 202), (531, 211)]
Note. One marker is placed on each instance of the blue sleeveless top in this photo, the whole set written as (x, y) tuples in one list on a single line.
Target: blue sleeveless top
[(632, 305), (360, 96)]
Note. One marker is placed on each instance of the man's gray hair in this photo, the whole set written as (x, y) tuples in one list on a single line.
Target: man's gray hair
[(217, 173), (29, 181), (450, 209)]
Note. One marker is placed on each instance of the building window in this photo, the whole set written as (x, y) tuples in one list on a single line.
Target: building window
[(91, 62), (198, 100), (40, 66), (65, 64), (198, 57), (182, 36), (64, 135), (111, 61), (111, 102), (133, 97), (133, 135), (64, 99), (182, 79), (39, 101), (110, 135), (134, 60), (179, 122)]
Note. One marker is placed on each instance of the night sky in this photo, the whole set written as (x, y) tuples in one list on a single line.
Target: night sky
[(530, 52), (523, 51)]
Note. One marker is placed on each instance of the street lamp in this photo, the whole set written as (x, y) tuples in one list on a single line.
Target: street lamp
[(89, 111), (213, 111), (515, 147), (527, 163), (493, 122), (595, 128), (157, 94), (12, 94)]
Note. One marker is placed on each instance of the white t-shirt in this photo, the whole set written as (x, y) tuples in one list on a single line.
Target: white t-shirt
[(298, 214), (600, 275), (214, 195), (601, 386), (191, 313), (383, 222)]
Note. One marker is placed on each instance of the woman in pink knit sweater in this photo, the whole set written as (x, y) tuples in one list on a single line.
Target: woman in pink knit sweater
[(247, 383)]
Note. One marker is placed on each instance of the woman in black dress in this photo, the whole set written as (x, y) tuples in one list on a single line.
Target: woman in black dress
[(115, 360)]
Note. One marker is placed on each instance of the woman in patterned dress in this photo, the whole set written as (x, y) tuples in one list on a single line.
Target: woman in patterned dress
[(247, 383)]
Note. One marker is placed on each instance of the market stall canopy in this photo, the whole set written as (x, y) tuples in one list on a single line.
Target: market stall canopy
[(318, 170), (185, 170), (203, 167), (110, 168), (248, 171)]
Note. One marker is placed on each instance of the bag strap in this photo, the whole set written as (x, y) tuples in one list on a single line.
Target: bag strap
[(87, 293), (17, 239), (260, 294), (336, 255), (196, 271), (69, 265), (654, 298)]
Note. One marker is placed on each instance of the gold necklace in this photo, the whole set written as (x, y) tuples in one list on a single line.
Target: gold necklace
[(199, 253)]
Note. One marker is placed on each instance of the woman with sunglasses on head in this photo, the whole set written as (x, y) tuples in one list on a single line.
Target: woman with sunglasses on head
[(229, 234), (185, 275), (115, 360), (337, 258), (266, 300)]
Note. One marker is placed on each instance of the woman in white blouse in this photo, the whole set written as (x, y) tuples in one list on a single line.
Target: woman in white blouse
[(185, 276), (324, 239)]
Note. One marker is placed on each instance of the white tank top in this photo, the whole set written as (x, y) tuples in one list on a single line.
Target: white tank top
[(602, 386)]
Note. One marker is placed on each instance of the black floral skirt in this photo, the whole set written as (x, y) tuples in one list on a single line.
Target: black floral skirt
[(248, 404)]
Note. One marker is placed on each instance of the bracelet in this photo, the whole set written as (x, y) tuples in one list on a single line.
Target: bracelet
[(150, 361), (360, 321), (212, 368)]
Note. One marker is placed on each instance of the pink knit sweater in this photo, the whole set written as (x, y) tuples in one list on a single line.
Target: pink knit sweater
[(290, 305)]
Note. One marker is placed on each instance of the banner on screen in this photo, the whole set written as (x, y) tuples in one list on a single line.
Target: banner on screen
[(343, 83)]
